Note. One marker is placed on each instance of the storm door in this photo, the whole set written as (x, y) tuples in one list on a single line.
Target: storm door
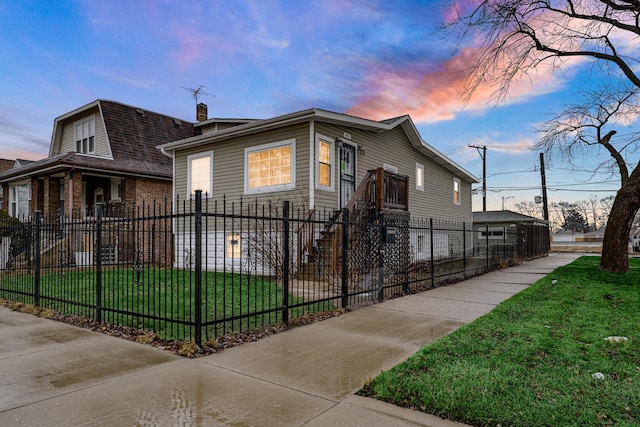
[(347, 172)]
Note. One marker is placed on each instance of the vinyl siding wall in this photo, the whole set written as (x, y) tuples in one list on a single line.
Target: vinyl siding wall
[(68, 140), (229, 167), (393, 148)]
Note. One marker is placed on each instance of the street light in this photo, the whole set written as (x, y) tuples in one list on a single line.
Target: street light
[(504, 199)]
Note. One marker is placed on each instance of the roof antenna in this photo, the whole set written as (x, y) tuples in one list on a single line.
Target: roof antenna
[(195, 93)]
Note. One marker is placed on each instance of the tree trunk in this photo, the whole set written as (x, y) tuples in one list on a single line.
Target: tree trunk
[(615, 256)]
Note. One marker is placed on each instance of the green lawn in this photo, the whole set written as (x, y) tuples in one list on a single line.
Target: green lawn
[(532, 360), (153, 294)]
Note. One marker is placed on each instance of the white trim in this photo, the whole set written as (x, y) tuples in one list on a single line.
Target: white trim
[(79, 135), (192, 157), (419, 177), (326, 117), (332, 163), (14, 202), (272, 188)]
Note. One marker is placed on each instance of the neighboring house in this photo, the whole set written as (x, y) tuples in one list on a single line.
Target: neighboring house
[(103, 152), (567, 236), (593, 236), (498, 221), (320, 159), (4, 165), (528, 235)]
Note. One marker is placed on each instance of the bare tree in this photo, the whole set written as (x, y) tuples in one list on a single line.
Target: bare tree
[(528, 208), (582, 208), (521, 37), (594, 206), (589, 124), (607, 204)]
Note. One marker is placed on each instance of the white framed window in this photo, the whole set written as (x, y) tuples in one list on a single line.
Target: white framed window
[(456, 191), (233, 246), (20, 200), (325, 176), (270, 167), (200, 174), (86, 136), (419, 177), (116, 189)]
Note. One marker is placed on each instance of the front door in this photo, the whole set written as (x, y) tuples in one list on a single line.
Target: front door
[(347, 172)]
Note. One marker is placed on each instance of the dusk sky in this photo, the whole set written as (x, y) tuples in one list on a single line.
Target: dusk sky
[(259, 59)]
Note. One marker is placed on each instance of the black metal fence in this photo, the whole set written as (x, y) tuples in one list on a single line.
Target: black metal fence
[(199, 269)]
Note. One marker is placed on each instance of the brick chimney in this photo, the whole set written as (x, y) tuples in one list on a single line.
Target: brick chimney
[(201, 112)]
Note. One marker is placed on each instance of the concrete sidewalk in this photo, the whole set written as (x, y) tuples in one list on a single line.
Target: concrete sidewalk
[(59, 375)]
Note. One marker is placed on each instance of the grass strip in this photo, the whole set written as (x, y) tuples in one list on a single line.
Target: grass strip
[(162, 300), (532, 360)]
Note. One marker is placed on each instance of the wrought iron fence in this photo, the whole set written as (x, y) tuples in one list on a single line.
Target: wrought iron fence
[(199, 269)]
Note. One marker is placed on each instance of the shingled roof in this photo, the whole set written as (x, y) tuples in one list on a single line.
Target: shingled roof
[(503, 216), (133, 135)]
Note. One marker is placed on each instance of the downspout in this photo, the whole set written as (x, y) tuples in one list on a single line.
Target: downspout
[(312, 174)]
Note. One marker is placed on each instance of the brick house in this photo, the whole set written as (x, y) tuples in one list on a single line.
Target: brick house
[(103, 152)]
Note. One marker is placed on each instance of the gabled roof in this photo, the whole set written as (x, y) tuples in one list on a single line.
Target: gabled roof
[(132, 134), (504, 217), (328, 117)]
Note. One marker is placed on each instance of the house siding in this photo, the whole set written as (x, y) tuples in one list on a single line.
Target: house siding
[(229, 168), (393, 148), (68, 139)]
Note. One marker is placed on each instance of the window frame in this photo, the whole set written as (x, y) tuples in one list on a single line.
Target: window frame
[(78, 130), (14, 200), (190, 159), (271, 188), (457, 200), (332, 161), (233, 246), (420, 183)]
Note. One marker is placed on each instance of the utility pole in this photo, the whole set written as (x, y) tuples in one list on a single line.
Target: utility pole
[(483, 155), (545, 207)]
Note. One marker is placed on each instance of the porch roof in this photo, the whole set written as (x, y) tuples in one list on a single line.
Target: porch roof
[(62, 162)]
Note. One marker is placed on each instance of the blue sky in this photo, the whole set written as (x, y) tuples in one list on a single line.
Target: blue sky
[(259, 59)]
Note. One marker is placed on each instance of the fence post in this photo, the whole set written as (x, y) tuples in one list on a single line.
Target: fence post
[(198, 268), (486, 235), (504, 245), (433, 272), (285, 262), (98, 255), (345, 257), (464, 249), (381, 259), (37, 217)]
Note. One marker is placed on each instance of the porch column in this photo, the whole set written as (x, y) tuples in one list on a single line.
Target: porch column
[(74, 191), (46, 199)]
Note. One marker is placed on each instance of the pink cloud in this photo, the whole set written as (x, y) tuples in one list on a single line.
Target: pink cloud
[(458, 9), (191, 45), (437, 95), (18, 153)]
